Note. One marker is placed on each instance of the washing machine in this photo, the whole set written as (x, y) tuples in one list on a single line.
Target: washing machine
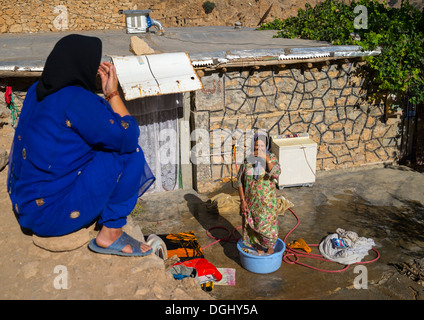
[(297, 155)]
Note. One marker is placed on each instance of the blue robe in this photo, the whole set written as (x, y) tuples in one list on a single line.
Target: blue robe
[(74, 160)]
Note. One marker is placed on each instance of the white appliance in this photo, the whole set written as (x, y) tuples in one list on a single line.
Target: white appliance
[(297, 155), (136, 20)]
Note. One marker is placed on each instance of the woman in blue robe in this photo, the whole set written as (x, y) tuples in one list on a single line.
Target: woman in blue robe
[(75, 156)]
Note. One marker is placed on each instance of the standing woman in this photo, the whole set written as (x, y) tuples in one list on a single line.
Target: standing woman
[(75, 156), (258, 201)]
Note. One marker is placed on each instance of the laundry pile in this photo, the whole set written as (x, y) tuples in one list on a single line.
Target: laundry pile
[(345, 247), (187, 260)]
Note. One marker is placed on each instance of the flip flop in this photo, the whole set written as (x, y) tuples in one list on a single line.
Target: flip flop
[(120, 243)]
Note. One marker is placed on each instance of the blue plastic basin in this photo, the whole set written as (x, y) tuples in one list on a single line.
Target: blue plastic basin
[(262, 264)]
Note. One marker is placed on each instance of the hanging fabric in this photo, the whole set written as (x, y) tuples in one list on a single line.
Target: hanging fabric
[(157, 118)]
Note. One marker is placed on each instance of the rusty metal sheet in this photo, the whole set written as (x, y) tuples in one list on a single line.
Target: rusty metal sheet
[(157, 74)]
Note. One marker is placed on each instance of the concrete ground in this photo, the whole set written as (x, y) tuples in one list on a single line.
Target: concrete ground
[(382, 203)]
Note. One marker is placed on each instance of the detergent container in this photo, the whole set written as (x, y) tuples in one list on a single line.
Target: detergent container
[(266, 263)]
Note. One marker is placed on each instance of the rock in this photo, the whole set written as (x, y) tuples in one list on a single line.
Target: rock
[(4, 115), (180, 294), (133, 229), (16, 28), (67, 242), (139, 46), (149, 262), (4, 159), (30, 269), (142, 291), (168, 263)]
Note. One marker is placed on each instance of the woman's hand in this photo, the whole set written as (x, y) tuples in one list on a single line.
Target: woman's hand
[(107, 73), (243, 206), (268, 158), (109, 79)]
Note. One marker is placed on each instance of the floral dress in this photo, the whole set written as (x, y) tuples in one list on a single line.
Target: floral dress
[(260, 225)]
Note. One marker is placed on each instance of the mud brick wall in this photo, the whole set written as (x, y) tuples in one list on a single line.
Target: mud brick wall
[(327, 101)]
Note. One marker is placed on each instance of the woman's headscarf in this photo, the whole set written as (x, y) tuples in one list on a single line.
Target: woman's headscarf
[(74, 61)]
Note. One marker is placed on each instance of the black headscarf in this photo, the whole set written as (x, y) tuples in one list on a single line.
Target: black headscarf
[(74, 61)]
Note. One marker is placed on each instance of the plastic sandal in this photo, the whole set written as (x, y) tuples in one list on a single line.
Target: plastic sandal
[(120, 243)]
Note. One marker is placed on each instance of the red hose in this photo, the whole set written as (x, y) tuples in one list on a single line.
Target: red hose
[(289, 252), (227, 238)]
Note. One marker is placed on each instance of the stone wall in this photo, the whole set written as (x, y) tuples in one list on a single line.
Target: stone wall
[(43, 15), (327, 101), (52, 15)]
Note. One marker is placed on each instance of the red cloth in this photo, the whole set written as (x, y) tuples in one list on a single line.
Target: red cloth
[(8, 95), (203, 267)]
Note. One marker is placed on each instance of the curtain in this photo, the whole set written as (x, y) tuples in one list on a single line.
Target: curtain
[(157, 118)]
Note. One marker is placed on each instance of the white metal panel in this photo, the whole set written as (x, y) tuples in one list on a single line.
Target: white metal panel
[(157, 74)]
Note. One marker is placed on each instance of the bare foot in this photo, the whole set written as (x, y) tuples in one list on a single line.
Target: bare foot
[(259, 249), (107, 236)]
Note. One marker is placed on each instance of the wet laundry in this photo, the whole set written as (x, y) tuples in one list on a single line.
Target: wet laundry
[(181, 271), (345, 247)]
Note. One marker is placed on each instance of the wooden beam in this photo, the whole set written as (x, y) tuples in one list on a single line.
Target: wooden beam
[(16, 74)]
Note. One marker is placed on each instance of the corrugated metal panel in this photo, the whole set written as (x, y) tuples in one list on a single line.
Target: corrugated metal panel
[(303, 56), (208, 59), (157, 74)]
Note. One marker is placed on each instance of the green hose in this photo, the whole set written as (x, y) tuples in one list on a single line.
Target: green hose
[(14, 109)]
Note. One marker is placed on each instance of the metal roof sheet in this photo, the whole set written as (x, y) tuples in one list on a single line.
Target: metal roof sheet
[(150, 75)]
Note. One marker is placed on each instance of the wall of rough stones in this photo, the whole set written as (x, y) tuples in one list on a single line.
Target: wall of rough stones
[(327, 101), (44, 15), (52, 15)]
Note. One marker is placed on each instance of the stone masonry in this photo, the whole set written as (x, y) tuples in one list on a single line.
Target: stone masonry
[(328, 101), (23, 16)]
